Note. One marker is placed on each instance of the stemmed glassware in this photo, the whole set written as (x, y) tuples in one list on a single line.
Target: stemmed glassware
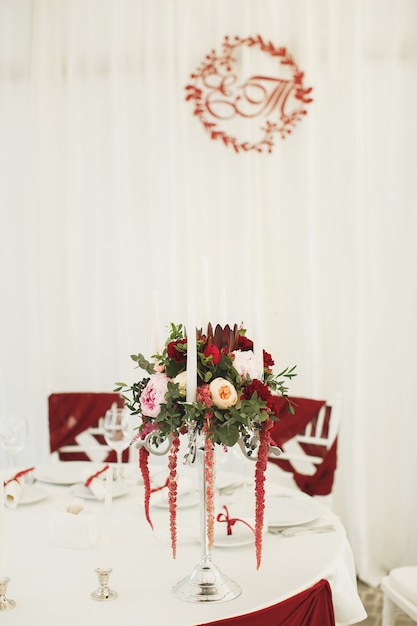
[(13, 432), (118, 433)]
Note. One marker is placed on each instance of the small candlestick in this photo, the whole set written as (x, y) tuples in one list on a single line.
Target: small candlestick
[(103, 592)]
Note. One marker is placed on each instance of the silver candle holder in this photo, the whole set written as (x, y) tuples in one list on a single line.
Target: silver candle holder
[(5, 604), (103, 592)]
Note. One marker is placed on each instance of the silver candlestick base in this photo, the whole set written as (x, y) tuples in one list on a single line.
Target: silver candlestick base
[(5, 604), (206, 584), (103, 592)]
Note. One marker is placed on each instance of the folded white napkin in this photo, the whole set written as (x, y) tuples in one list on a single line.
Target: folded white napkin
[(73, 528), (96, 482), (12, 493), (14, 487)]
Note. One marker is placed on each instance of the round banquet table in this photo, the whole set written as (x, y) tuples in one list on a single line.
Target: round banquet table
[(52, 584)]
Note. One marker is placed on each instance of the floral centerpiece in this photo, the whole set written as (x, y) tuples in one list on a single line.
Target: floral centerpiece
[(237, 400)]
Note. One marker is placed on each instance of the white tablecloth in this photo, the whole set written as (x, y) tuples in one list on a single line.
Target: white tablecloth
[(52, 584)]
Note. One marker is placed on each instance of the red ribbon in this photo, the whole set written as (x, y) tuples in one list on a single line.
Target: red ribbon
[(18, 475), (161, 487), (91, 478), (231, 521)]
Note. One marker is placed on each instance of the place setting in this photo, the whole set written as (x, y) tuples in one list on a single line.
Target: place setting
[(20, 488)]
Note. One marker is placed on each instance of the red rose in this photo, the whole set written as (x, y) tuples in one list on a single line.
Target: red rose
[(276, 405), (258, 386), (244, 343), (268, 360), (214, 352), (176, 350)]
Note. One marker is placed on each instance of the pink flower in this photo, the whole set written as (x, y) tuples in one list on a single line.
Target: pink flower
[(154, 394), (204, 395)]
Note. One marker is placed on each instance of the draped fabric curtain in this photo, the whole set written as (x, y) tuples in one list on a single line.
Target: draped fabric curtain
[(114, 201)]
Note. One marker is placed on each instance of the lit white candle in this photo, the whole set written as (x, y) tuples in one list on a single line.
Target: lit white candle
[(258, 341), (191, 352), (2, 567), (155, 323), (105, 543)]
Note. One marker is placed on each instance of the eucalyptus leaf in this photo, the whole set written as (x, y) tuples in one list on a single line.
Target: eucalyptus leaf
[(228, 434)]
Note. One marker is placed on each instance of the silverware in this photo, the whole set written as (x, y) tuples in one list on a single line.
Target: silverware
[(291, 531)]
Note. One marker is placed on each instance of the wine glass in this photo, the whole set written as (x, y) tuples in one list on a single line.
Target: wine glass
[(13, 431), (118, 433)]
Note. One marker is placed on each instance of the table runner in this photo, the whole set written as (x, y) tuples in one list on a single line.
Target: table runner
[(312, 607)]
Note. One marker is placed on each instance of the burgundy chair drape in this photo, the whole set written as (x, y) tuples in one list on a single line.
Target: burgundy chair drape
[(306, 410), (70, 414), (312, 607)]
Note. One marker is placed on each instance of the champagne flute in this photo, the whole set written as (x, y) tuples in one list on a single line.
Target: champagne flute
[(118, 433), (13, 431)]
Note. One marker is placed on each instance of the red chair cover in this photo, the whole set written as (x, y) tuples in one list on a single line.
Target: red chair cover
[(306, 411), (312, 607), (71, 414)]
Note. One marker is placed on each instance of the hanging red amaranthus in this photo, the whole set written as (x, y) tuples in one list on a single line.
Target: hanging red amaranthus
[(261, 464), (172, 491), (144, 468)]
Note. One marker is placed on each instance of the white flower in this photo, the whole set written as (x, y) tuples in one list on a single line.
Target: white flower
[(245, 362), (223, 393), (181, 381)]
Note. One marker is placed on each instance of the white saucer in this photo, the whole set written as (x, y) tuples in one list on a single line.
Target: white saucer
[(81, 491), (241, 534), (31, 494), (65, 473), (184, 500)]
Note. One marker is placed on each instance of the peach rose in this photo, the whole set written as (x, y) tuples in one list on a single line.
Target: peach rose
[(223, 393)]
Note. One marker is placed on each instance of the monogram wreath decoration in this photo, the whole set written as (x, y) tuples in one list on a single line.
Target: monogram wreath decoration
[(220, 94)]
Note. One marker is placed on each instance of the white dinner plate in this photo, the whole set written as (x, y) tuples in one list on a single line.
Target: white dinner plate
[(228, 480), (31, 494), (285, 511), (81, 491), (65, 473), (185, 500)]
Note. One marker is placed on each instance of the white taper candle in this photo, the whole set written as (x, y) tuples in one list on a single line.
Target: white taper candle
[(155, 323), (206, 283), (191, 352), (105, 544), (258, 340)]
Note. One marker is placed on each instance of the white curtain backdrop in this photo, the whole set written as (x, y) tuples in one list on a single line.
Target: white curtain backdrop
[(111, 191)]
